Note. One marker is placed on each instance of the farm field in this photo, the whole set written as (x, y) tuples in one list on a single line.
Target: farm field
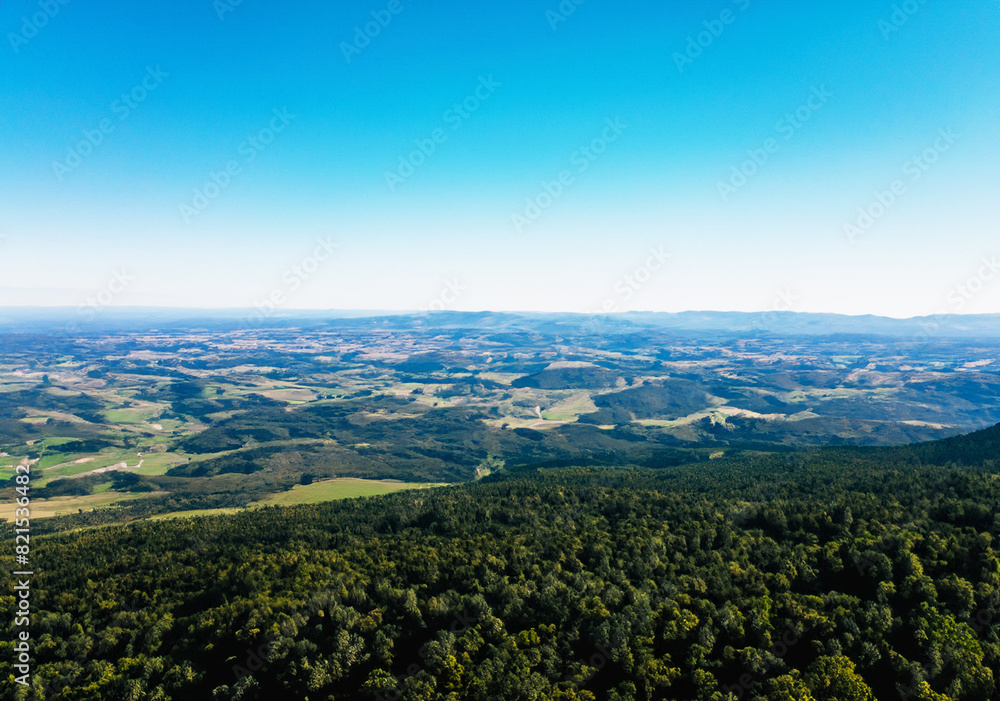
[(217, 417), (61, 506), (342, 488)]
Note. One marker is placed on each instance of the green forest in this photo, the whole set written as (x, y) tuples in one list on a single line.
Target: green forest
[(839, 574)]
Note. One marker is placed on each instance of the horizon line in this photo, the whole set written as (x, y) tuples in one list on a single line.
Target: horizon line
[(312, 311)]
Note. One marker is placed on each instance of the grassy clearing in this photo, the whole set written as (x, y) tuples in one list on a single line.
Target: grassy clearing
[(533, 423), (293, 395), (59, 506), (343, 488), (53, 442), (104, 459), (191, 514), (504, 378), (131, 415), (53, 459), (73, 469), (318, 492), (158, 463), (571, 408)]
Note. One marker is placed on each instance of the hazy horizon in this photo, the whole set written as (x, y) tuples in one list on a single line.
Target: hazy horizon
[(362, 312), (545, 156)]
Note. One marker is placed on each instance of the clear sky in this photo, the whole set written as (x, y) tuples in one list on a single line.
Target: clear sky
[(523, 155)]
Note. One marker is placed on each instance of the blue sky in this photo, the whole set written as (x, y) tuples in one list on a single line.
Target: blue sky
[(519, 156)]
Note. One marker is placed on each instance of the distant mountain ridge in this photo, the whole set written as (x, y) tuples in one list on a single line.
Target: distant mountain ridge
[(47, 319)]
